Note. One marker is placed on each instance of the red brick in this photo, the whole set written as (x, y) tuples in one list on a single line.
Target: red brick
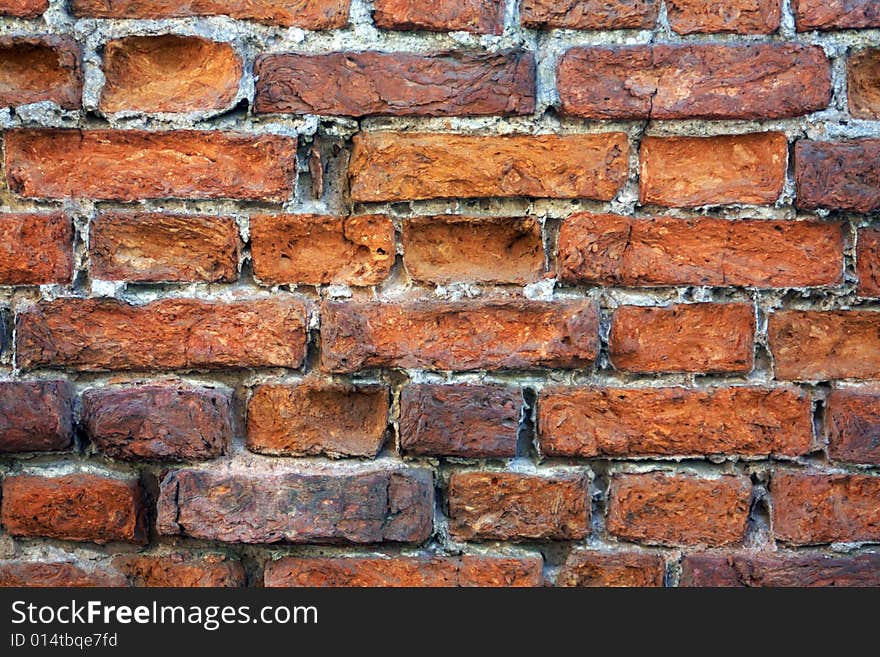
[(679, 510), (461, 336), (810, 509), (158, 422), (835, 14), (712, 17), (319, 250), (754, 81), (37, 69), (96, 335), (852, 424), (56, 574), (626, 422), (696, 171), (506, 506), (313, 419), (838, 175), (446, 249), (130, 165), (703, 337), (181, 570), (35, 416), (614, 250), (779, 570), (863, 84), (393, 166), (477, 16), (590, 14), (362, 84), (306, 14), (169, 73), (819, 345), (146, 247), (23, 8), (341, 507), (376, 572), (590, 568), (868, 266), (36, 249), (468, 421), (78, 507)]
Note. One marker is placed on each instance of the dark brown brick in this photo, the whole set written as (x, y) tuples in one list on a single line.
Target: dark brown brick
[(835, 14), (35, 416), (56, 574), (852, 424), (780, 570), (838, 175)]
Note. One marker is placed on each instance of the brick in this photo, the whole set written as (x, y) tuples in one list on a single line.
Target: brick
[(162, 423), (314, 419), (838, 175), (591, 568), (36, 249), (863, 84), (476, 16), (306, 14), (78, 507), (181, 570), (23, 8), (615, 250), (130, 165), (405, 572), (451, 83), (703, 337), (679, 510), (754, 81), (97, 335), (810, 509), (155, 248), (627, 422), (447, 249), (779, 570), (506, 506), (38, 69), (468, 421), (835, 14), (736, 16), (320, 250), (820, 345), (35, 416), (590, 14), (169, 73), (459, 336), (868, 266), (56, 574), (362, 507), (696, 171), (852, 424), (393, 166)]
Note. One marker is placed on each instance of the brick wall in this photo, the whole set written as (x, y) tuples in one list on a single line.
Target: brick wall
[(472, 292)]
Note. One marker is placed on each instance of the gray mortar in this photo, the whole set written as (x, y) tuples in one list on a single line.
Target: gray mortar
[(251, 39)]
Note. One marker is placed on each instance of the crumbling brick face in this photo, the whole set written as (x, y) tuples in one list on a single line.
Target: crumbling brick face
[(458, 293)]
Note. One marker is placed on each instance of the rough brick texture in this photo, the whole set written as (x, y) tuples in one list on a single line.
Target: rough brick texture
[(78, 507), (405, 571), (614, 250), (313, 419), (157, 248), (835, 14), (397, 84), (590, 14), (56, 574), (23, 8), (737, 16), (694, 81), (869, 263), (621, 422), (158, 423), (35, 416), (863, 84), (307, 14), (841, 175), (852, 424), (776, 570), (592, 568), (395, 506), (477, 16), (665, 509), (180, 570), (35, 249), (34, 70), (705, 337)]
